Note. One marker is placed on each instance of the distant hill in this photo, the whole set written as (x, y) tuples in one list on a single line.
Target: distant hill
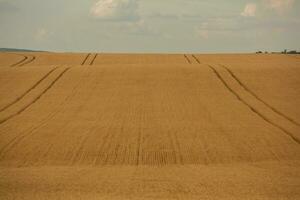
[(17, 50)]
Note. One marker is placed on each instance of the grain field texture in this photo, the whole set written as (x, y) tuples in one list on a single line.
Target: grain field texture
[(149, 126)]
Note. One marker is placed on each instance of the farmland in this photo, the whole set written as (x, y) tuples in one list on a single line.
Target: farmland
[(149, 126)]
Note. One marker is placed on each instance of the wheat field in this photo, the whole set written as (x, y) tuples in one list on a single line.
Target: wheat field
[(149, 126)]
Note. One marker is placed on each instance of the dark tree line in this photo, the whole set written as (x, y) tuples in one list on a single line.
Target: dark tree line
[(290, 52), (283, 52)]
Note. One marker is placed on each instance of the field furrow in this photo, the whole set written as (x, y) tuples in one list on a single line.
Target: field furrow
[(85, 59), (259, 99), (25, 58), (28, 61), (257, 111), (26, 103), (27, 91)]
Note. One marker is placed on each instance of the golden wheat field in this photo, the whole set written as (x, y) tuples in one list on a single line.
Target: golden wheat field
[(149, 126)]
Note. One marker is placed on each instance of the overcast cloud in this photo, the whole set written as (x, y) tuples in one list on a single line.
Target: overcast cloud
[(150, 26)]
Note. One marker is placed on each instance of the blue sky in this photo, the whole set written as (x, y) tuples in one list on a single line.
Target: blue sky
[(167, 26)]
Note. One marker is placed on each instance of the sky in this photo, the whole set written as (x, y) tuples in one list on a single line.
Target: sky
[(150, 26)]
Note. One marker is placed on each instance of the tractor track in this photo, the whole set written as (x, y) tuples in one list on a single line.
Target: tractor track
[(19, 62), (86, 58), (92, 62), (29, 90), (36, 99), (252, 108), (188, 60), (198, 61), (30, 60), (177, 144), (139, 146), (15, 140), (258, 98), (31, 131)]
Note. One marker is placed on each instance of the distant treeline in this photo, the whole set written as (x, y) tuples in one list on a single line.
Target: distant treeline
[(17, 50), (290, 52), (283, 52)]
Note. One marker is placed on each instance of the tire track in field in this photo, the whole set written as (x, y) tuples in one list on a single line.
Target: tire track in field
[(173, 136), (177, 144), (141, 126), (16, 139), (139, 146), (174, 154), (198, 61), (30, 131), (258, 98), (93, 60), (27, 91), (250, 107), (86, 58), (28, 61), (111, 137), (77, 156), (54, 113), (189, 61), (36, 99), (106, 141), (19, 62), (67, 99)]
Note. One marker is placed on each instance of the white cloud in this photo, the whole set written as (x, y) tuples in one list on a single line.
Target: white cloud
[(202, 31), (249, 10), (41, 34), (123, 10), (219, 26), (280, 6), (202, 34)]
